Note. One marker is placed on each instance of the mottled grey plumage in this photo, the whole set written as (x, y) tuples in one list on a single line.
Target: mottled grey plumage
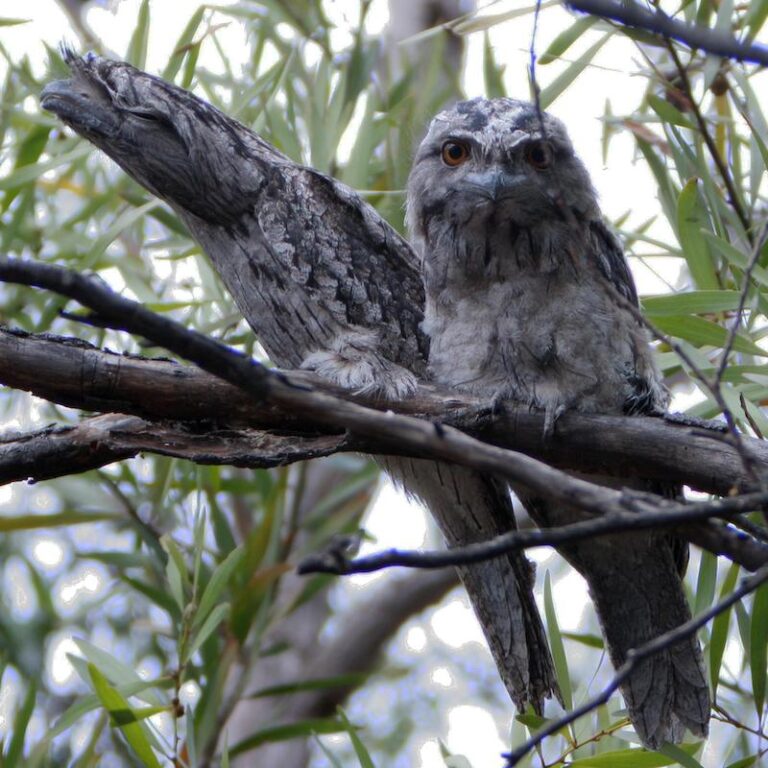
[(325, 283), (520, 275)]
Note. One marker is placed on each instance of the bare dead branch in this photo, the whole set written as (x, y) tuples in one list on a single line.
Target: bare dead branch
[(78, 375), (353, 653), (695, 36), (642, 511), (58, 451)]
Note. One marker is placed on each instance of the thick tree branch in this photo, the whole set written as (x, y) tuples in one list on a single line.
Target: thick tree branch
[(354, 652), (389, 432), (78, 375), (711, 41), (57, 451)]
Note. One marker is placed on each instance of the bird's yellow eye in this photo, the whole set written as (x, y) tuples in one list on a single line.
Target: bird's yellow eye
[(455, 153), (539, 154)]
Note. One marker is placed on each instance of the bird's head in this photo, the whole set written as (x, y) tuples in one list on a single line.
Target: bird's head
[(490, 162)]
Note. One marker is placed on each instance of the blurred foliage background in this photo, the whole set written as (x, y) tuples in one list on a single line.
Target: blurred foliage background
[(149, 613)]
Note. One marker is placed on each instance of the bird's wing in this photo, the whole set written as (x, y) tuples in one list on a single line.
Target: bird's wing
[(612, 261)]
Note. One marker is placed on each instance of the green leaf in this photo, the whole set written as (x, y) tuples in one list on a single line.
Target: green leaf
[(5, 22), (570, 73), (531, 720), (351, 680), (158, 596), (667, 188), (118, 672), (182, 45), (566, 39), (755, 17), (556, 645), (215, 617), (719, 635), (216, 584), (667, 112), (591, 641), (53, 520), (473, 22), (758, 647), (680, 755), (20, 722), (745, 762), (737, 257), (126, 219), (360, 751), (118, 707), (29, 172), (175, 571), (701, 332), (492, 71), (632, 758), (137, 47), (88, 703), (690, 302), (691, 220), (706, 582), (30, 149), (300, 729)]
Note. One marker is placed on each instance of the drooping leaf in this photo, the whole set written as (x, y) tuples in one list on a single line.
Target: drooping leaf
[(758, 647), (570, 73), (719, 634), (300, 729), (691, 220), (566, 39), (691, 302), (556, 645), (119, 709), (632, 758)]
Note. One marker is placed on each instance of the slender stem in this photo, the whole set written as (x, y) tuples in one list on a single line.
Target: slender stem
[(722, 168), (650, 514), (757, 247)]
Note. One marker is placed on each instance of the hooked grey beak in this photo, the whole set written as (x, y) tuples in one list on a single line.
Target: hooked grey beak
[(494, 184)]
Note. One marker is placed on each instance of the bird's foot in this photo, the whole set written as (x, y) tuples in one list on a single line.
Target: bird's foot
[(354, 362), (552, 413)]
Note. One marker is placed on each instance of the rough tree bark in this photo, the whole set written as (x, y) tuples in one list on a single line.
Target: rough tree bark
[(73, 373)]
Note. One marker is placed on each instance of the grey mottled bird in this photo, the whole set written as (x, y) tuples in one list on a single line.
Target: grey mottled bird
[(324, 282), (521, 278)]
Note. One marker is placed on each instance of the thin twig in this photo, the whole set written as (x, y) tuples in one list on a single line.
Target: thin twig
[(657, 22), (722, 168), (655, 514), (532, 63), (634, 658), (757, 247)]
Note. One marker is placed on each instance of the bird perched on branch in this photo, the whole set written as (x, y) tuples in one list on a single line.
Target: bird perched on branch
[(325, 283), (529, 297)]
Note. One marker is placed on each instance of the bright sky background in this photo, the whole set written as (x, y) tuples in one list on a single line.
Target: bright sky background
[(622, 184)]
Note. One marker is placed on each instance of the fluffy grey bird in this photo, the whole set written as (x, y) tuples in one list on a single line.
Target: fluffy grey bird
[(521, 278), (325, 283)]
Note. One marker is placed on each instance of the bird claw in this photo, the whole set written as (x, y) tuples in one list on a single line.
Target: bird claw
[(551, 415)]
